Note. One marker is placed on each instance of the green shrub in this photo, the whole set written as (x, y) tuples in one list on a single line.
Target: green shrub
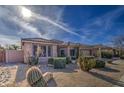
[(68, 60), (100, 64), (122, 57), (59, 62), (86, 63), (33, 61), (106, 55), (50, 61)]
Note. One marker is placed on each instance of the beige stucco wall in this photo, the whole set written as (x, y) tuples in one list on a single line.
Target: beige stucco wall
[(27, 48), (54, 50), (84, 52), (65, 50), (68, 51), (94, 52), (28, 51), (14, 56)]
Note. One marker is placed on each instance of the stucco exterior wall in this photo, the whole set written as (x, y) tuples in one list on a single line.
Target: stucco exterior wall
[(85, 52), (27, 48), (54, 51), (65, 51), (14, 56), (68, 51)]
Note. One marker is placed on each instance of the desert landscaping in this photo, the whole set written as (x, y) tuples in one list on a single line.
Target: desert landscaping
[(14, 75)]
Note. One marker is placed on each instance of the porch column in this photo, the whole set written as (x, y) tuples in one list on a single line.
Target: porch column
[(46, 51), (38, 51), (100, 53), (79, 51), (68, 51), (54, 50)]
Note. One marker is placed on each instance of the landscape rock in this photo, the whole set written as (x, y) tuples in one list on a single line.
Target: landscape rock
[(48, 76)]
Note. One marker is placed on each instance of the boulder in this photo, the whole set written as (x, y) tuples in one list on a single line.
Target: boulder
[(48, 76)]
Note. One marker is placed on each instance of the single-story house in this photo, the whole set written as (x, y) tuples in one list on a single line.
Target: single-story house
[(56, 48), (51, 48), (45, 49)]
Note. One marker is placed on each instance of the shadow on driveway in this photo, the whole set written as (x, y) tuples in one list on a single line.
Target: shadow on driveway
[(21, 73), (52, 83), (108, 69), (107, 79)]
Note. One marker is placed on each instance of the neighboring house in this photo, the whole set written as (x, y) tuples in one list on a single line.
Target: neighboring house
[(55, 48), (98, 49)]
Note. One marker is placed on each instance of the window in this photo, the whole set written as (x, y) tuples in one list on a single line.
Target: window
[(49, 51), (42, 51), (34, 50), (62, 53), (72, 52)]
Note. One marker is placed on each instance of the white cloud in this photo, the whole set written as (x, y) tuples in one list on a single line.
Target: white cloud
[(6, 39), (57, 25), (27, 27), (54, 23)]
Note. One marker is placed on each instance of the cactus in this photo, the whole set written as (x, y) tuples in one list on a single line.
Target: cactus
[(33, 61), (35, 78)]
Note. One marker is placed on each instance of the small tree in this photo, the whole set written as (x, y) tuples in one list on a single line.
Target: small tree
[(119, 43), (13, 47), (1, 48)]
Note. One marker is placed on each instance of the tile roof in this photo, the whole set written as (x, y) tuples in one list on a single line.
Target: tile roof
[(66, 43), (42, 40)]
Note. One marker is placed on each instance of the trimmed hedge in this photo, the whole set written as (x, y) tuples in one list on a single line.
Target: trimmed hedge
[(106, 55), (33, 61), (59, 63), (50, 61), (86, 63), (100, 64), (68, 60)]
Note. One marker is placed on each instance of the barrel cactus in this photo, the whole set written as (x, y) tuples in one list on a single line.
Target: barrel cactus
[(35, 78)]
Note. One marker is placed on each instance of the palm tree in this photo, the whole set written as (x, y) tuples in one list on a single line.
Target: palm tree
[(14, 47)]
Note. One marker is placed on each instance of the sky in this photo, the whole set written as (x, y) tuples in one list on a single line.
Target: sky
[(80, 24)]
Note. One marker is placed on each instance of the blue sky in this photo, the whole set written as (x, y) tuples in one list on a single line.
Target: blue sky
[(82, 24)]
